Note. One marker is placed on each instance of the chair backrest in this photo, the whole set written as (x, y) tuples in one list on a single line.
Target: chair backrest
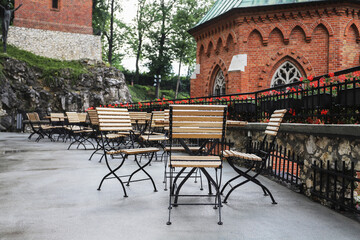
[(157, 116), (138, 117), (57, 117), (72, 117), (197, 121), (82, 117), (94, 120), (33, 117), (274, 122), (114, 119)]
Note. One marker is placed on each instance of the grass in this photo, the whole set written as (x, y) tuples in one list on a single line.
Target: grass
[(141, 93), (48, 66)]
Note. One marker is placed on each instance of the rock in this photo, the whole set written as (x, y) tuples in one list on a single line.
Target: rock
[(310, 145), (24, 88), (344, 148)]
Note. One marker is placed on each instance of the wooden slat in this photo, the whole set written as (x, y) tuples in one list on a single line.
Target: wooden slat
[(197, 124), (271, 133), (82, 117), (192, 112), (116, 124), (275, 124), (197, 130), (197, 135), (119, 129), (198, 118), (194, 158), (275, 119), (112, 109), (196, 164), (114, 117), (198, 107), (72, 117), (270, 128)]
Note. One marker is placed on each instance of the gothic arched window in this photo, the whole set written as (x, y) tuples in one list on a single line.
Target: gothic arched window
[(219, 84), (286, 73)]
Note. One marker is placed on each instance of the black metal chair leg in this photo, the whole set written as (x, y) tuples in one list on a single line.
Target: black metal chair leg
[(113, 172), (181, 184)]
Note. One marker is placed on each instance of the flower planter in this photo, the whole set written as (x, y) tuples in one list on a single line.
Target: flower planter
[(243, 107), (349, 97), (288, 103), (322, 100), (268, 105)]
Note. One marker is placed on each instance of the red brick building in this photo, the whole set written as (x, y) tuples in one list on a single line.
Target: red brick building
[(73, 16), (60, 29), (247, 45)]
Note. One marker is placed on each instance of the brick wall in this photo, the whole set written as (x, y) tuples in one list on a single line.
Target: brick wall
[(72, 15), (316, 37)]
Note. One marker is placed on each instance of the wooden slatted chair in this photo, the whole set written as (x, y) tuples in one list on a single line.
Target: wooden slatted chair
[(77, 131), (58, 122), (118, 120), (258, 159), (37, 127), (206, 123)]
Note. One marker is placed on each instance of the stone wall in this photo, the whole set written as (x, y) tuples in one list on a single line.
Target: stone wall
[(24, 89), (311, 142), (55, 44)]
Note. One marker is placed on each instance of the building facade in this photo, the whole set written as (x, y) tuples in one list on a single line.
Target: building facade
[(60, 29), (245, 46)]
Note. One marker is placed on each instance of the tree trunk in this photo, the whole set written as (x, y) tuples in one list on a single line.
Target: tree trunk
[(136, 77), (161, 45), (178, 80), (110, 54)]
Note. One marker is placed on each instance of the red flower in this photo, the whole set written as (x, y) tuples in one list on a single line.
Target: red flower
[(310, 78), (324, 112), (331, 74), (301, 79)]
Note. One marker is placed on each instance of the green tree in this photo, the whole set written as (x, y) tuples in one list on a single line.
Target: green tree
[(158, 52), (138, 31), (188, 13), (112, 30)]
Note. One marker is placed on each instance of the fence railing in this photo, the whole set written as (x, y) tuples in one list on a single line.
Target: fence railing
[(336, 184), (283, 165), (330, 98)]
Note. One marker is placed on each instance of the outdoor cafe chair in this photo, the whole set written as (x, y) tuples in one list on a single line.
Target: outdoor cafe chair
[(42, 130), (118, 120), (77, 130), (258, 158), (206, 123)]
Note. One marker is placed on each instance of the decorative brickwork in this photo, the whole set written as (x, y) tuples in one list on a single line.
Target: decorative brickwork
[(71, 15), (317, 38)]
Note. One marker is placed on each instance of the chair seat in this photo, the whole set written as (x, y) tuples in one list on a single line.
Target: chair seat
[(134, 151), (113, 135), (247, 156), (84, 131), (181, 149), (196, 161), (154, 137)]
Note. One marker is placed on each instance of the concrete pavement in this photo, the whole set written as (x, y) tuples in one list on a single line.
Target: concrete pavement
[(48, 192)]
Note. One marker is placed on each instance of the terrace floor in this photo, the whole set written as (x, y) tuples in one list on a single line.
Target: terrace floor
[(48, 192)]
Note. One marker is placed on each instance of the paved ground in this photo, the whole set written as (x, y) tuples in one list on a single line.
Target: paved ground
[(48, 192)]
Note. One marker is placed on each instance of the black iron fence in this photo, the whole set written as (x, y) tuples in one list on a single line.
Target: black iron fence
[(283, 164), (336, 184), (330, 98)]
